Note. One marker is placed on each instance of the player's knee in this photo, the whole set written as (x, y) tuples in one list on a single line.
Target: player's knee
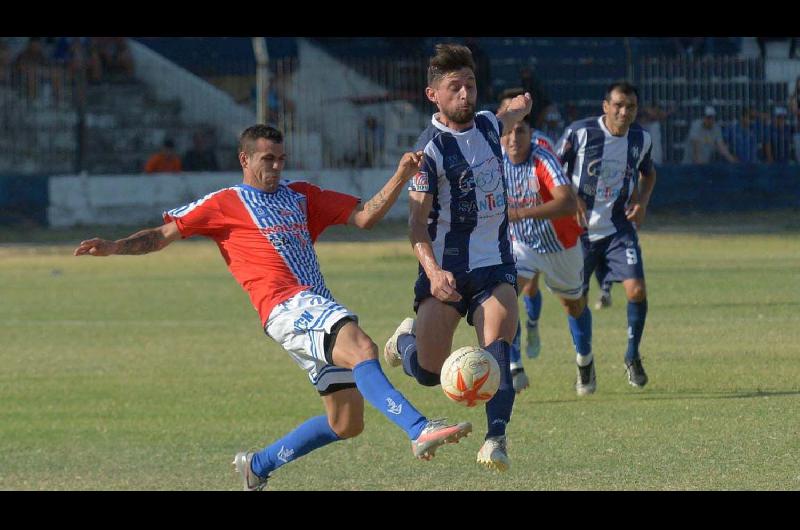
[(574, 307), (348, 427), (426, 378), (362, 350), (637, 293)]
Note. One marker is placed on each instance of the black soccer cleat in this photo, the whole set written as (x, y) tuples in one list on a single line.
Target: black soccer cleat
[(636, 374)]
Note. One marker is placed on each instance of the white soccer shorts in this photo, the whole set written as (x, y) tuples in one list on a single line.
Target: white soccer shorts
[(299, 325), (563, 270)]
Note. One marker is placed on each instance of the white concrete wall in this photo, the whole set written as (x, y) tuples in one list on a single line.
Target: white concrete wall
[(140, 199)]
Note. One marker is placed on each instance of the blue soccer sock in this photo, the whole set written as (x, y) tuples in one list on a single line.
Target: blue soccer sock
[(533, 307), (407, 346), (498, 409), (514, 353), (637, 314), (379, 392), (581, 330), (312, 434)]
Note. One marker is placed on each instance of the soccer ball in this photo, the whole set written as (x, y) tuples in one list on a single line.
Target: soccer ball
[(470, 376)]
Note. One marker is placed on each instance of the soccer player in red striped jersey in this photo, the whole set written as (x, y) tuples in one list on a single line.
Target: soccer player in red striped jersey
[(545, 238), (265, 229)]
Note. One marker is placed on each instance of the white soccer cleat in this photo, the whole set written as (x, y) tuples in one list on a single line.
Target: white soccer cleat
[(250, 481), (493, 453), (390, 352), (437, 433)]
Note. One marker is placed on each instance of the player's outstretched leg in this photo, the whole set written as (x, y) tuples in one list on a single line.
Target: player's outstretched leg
[(355, 349), (255, 467)]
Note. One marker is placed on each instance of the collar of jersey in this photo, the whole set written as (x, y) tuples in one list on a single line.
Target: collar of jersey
[(605, 129), (251, 188), (442, 127), (527, 160)]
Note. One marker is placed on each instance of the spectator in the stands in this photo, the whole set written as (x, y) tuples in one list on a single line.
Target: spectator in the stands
[(5, 62), (371, 139), (778, 146), (34, 69), (553, 125), (705, 139), (650, 118), (794, 109), (166, 160), (115, 57), (201, 157), (530, 83), (745, 137)]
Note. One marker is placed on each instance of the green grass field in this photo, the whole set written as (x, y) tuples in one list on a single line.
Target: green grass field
[(149, 373)]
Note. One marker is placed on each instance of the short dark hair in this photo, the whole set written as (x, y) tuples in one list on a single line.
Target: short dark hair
[(622, 86), (169, 143), (448, 58), (249, 136), (511, 93)]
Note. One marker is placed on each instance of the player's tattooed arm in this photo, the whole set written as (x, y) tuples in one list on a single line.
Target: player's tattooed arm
[(368, 214), (141, 242)]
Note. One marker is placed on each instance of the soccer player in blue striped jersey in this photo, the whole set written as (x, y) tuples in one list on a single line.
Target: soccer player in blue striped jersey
[(459, 232), (545, 238), (608, 160)]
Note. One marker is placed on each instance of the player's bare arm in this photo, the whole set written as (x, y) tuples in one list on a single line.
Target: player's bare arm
[(564, 203), (368, 214), (517, 108), (641, 198), (443, 283), (142, 242)]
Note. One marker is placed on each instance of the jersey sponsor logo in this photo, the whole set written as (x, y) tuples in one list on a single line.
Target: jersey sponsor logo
[(420, 181), (635, 152), (492, 204)]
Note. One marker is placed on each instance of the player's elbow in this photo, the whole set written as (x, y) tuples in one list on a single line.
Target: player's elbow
[(569, 205)]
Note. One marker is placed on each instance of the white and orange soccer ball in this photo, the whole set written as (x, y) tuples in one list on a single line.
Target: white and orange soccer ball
[(470, 376)]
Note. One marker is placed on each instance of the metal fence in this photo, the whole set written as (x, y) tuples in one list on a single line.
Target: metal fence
[(681, 90), (336, 113)]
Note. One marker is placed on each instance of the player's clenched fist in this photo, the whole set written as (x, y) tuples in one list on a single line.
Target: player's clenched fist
[(410, 165)]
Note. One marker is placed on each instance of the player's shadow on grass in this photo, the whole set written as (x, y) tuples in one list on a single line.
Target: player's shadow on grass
[(729, 304), (656, 395), (721, 394)]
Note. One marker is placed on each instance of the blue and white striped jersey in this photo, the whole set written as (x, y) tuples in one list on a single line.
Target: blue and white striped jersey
[(468, 223), (604, 170)]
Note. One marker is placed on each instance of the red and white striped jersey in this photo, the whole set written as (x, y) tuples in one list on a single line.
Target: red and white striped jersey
[(267, 238)]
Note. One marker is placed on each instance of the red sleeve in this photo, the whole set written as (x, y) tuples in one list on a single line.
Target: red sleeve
[(202, 217), (325, 207)]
